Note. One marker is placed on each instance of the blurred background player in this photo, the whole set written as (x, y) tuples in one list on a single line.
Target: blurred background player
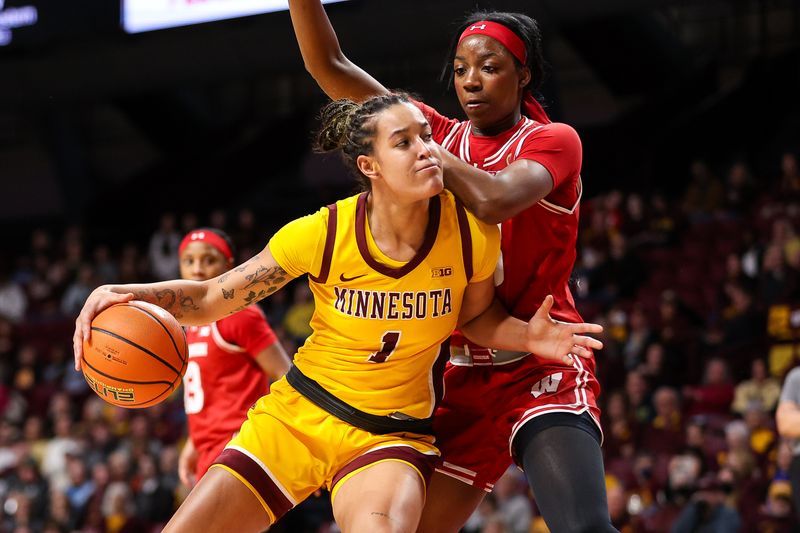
[(523, 171), (231, 361)]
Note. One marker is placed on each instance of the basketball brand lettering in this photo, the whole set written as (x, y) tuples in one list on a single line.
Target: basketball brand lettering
[(548, 384), (383, 305), (476, 27), (120, 395)]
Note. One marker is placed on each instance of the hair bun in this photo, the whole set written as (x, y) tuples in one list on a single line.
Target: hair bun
[(336, 118)]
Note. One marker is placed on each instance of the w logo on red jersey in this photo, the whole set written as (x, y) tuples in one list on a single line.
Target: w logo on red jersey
[(548, 384)]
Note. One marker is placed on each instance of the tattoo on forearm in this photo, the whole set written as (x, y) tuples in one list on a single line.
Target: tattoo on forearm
[(165, 298), (270, 277), (176, 304), (187, 302), (241, 268), (261, 282)]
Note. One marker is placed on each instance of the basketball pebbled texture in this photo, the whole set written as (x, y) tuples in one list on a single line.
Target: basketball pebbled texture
[(136, 355)]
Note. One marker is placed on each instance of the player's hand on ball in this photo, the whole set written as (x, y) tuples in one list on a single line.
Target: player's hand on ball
[(558, 341), (101, 298)]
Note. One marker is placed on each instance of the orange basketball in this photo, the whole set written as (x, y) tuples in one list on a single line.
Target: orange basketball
[(136, 355)]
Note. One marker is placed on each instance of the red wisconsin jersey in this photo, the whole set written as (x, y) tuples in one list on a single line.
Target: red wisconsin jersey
[(223, 378), (538, 244)]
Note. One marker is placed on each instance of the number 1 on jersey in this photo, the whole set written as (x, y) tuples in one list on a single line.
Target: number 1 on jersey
[(389, 341)]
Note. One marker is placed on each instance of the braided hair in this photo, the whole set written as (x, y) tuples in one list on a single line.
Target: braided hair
[(350, 128)]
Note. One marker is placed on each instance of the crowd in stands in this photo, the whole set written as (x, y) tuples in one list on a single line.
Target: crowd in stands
[(700, 296)]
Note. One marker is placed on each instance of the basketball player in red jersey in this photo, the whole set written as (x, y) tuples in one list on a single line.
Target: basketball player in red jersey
[(230, 360), (508, 163)]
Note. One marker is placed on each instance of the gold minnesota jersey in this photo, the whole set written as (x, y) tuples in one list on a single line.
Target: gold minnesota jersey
[(380, 327)]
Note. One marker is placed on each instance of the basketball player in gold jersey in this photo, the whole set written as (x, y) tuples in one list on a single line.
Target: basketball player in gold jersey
[(393, 271)]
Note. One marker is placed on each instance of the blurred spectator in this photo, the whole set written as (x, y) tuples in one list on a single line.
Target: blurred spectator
[(665, 433), (638, 392), (482, 515), (715, 395), (639, 336), (154, 500), (760, 388), (104, 266), (762, 435), (28, 482), (513, 505), (13, 302), (163, 249), (790, 175), (54, 462), (218, 219), (78, 291), (785, 238), (655, 368), (775, 280), (620, 428), (708, 509), (775, 514), (742, 322), (247, 236), (740, 188), (620, 274), (704, 194), (81, 488), (618, 506), (699, 442), (119, 509), (298, 318), (188, 223)]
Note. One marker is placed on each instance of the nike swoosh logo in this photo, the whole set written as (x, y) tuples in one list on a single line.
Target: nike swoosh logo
[(345, 278)]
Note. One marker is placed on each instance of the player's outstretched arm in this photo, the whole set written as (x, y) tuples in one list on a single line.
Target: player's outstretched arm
[(547, 338), (336, 75), (191, 302)]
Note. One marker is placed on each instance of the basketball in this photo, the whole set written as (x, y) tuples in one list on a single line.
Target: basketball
[(136, 355)]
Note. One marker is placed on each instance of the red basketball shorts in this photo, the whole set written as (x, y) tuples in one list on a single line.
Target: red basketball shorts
[(485, 406)]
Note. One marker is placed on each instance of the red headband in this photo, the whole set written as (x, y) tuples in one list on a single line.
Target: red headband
[(209, 237), (500, 33), (516, 46)]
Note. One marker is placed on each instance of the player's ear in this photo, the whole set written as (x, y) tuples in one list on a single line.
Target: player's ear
[(368, 166), (524, 76)]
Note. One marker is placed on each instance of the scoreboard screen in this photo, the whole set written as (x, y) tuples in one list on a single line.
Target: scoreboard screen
[(16, 17), (146, 15)]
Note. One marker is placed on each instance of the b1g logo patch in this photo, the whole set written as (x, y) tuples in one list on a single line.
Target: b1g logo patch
[(120, 395), (547, 385), (441, 272)]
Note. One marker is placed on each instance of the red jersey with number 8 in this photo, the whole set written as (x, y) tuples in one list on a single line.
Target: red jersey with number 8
[(223, 379)]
